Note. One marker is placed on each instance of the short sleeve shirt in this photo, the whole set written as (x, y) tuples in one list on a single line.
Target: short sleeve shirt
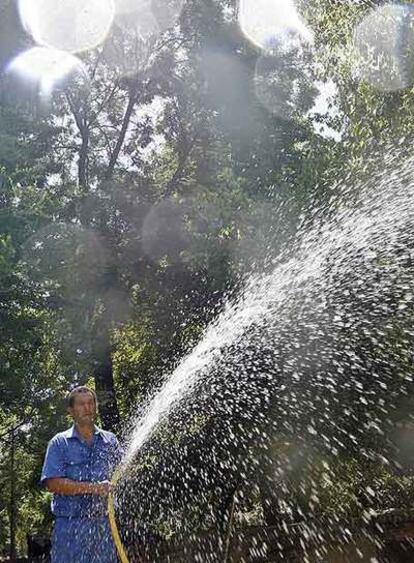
[(68, 455)]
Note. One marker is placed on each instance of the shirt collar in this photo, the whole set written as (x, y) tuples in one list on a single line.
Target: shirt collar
[(73, 433)]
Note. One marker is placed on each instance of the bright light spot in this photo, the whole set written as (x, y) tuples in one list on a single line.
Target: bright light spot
[(47, 67), (281, 75), (68, 25), (383, 42), (263, 20)]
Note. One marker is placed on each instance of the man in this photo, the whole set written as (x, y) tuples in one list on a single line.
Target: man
[(77, 469)]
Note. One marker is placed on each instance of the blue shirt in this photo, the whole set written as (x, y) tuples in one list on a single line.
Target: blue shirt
[(70, 456)]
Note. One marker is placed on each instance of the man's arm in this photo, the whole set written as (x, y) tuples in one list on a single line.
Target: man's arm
[(56, 481), (64, 486)]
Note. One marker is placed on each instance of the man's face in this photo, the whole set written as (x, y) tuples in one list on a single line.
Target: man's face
[(83, 410)]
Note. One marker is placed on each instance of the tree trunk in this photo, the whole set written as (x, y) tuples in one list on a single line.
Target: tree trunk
[(230, 523), (102, 353), (13, 511), (122, 134), (83, 159), (104, 384), (103, 373)]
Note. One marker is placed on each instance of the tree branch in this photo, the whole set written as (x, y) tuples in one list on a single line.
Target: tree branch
[(182, 161), (122, 134), (184, 154), (83, 150), (104, 103), (108, 142)]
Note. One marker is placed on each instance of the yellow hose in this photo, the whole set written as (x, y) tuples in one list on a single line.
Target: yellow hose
[(112, 520)]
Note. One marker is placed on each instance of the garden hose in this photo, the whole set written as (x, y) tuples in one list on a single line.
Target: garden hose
[(112, 520)]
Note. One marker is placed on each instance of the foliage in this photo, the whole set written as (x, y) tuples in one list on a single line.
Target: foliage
[(138, 201)]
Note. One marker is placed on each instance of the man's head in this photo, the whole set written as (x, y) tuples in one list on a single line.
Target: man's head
[(82, 405)]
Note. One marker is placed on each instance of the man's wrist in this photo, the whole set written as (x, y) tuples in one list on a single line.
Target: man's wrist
[(94, 488), (99, 488)]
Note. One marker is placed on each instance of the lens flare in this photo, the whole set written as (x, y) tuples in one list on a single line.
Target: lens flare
[(70, 255), (138, 24), (163, 231), (129, 45), (125, 6), (129, 6), (164, 12), (47, 68), (383, 42), (68, 25), (263, 20), (282, 80)]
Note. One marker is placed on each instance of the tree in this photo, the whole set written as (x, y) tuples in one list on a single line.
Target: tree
[(101, 231), (136, 203)]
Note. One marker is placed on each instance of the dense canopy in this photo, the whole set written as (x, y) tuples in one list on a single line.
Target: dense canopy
[(163, 165)]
